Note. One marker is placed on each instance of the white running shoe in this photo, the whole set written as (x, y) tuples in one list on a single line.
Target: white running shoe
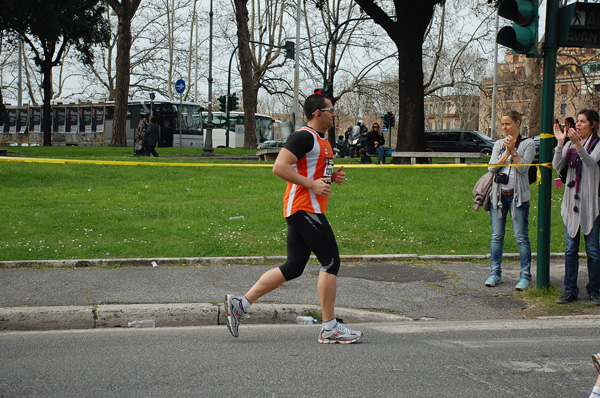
[(339, 334), (235, 313)]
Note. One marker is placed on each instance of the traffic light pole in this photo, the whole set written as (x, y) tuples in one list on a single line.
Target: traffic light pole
[(548, 90)]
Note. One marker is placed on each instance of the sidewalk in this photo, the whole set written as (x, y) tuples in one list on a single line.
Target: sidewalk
[(78, 294)]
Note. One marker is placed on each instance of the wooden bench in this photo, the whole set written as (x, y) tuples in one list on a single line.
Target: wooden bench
[(268, 154), (459, 157)]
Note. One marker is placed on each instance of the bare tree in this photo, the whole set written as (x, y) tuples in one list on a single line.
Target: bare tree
[(407, 33), (125, 10), (247, 73)]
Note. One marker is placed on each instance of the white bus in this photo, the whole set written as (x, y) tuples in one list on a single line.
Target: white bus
[(168, 116), (264, 128)]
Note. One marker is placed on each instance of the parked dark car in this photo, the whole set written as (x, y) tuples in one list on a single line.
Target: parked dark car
[(458, 141)]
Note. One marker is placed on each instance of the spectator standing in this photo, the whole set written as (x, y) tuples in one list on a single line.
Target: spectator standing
[(580, 207), (510, 193), (151, 138)]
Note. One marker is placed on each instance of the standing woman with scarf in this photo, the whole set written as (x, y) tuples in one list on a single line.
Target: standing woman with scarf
[(580, 205), (510, 192)]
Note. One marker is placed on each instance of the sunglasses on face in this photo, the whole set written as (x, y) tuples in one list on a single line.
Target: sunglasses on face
[(331, 110)]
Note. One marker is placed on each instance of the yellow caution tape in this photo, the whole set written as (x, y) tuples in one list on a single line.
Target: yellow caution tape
[(136, 163)]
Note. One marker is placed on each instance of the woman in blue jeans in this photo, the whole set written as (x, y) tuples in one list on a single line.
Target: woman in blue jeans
[(510, 193), (580, 205)]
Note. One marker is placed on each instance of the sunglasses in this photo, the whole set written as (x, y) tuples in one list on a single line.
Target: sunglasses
[(324, 110)]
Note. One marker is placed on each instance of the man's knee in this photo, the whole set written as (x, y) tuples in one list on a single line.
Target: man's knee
[(291, 271), (332, 267)]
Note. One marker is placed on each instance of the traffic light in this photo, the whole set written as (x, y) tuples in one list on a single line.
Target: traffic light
[(223, 103), (328, 91), (391, 119), (385, 120), (233, 102), (290, 49), (521, 37)]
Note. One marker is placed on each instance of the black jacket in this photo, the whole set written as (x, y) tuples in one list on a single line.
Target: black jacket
[(152, 134)]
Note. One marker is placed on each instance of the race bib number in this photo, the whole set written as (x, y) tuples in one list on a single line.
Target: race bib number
[(328, 172)]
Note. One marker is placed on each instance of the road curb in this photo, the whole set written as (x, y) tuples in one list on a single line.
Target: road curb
[(181, 261), (167, 315)]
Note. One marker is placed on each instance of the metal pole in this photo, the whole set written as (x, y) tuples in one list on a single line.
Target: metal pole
[(495, 85), (297, 64), (208, 148), (180, 121), (548, 88), (228, 98), (196, 60)]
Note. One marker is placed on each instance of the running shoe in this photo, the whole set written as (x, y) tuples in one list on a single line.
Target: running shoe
[(339, 334), (596, 359), (235, 313)]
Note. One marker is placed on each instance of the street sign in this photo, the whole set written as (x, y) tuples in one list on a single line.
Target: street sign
[(579, 25), (180, 86)]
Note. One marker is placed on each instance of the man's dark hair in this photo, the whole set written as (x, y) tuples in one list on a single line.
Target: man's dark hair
[(313, 103)]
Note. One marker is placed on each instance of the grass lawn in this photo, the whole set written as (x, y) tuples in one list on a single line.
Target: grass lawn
[(63, 211)]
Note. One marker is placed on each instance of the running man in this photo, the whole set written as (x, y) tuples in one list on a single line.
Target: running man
[(306, 163)]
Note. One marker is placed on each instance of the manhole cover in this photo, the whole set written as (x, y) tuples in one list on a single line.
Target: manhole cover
[(392, 272)]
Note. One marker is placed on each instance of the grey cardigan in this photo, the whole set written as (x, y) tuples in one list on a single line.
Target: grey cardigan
[(526, 153), (588, 190)]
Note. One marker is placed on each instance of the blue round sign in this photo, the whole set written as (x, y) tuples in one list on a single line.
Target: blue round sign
[(180, 86)]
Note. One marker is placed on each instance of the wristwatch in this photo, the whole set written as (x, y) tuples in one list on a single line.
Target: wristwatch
[(514, 153)]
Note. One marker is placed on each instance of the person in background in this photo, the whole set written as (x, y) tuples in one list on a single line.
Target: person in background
[(364, 158), (140, 132), (363, 131), (348, 134), (580, 206), (569, 123), (151, 138), (342, 145), (510, 193), (375, 143)]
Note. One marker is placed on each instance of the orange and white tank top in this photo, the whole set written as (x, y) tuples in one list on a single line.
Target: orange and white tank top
[(315, 164)]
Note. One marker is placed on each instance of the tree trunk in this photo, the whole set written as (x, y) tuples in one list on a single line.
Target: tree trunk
[(119, 137), (125, 11), (407, 32), (249, 93), (411, 115), (46, 68)]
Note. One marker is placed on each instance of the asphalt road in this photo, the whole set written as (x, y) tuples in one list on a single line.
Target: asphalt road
[(491, 358)]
